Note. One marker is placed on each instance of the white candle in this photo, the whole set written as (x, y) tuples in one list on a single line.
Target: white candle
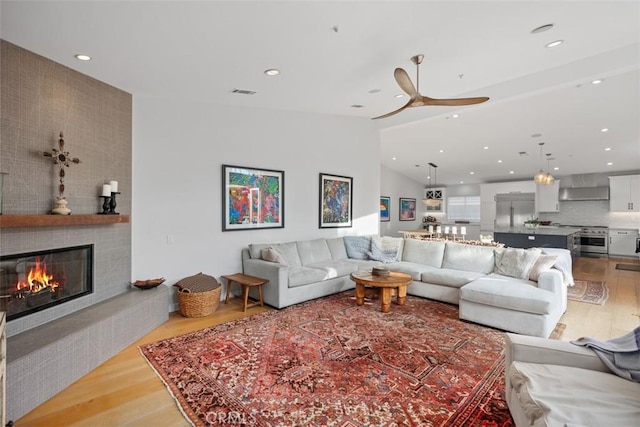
[(463, 230), (114, 186), (431, 229), (446, 230), (106, 190), (454, 229), (438, 229)]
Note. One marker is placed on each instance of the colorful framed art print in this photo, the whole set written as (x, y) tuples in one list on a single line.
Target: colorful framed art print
[(252, 198)]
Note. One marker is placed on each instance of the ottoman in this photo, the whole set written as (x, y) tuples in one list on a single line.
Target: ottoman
[(513, 305)]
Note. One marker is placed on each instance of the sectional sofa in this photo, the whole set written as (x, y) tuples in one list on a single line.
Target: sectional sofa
[(517, 290)]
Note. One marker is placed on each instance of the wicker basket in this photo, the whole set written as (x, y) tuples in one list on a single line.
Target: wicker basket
[(199, 304)]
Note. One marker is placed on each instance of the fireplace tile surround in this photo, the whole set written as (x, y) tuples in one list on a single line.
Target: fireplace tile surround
[(49, 349)]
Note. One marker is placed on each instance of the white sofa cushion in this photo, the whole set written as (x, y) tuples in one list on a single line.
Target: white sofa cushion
[(552, 395), (313, 251), (336, 268), (337, 248), (413, 269), (300, 276), (448, 277), (290, 252), (510, 293), (460, 256), (423, 252), (255, 249)]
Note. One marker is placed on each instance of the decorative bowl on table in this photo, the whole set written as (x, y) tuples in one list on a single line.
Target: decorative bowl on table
[(380, 271), (148, 284)]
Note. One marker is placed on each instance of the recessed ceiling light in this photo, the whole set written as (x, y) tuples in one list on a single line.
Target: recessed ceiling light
[(374, 91), (597, 81), (485, 148), (461, 182), (272, 72), (442, 151), (556, 168), (542, 29), (400, 95), (499, 161), (393, 158), (607, 149), (471, 173), (511, 172), (604, 130), (82, 57), (455, 116), (609, 163), (554, 43)]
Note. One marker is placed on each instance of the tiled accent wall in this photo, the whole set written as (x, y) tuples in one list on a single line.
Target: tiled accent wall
[(40, 98)]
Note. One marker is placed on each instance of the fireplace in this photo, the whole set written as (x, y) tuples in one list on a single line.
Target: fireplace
[(34, 281)]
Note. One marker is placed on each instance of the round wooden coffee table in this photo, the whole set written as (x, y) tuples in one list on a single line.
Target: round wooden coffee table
[(387, 285)]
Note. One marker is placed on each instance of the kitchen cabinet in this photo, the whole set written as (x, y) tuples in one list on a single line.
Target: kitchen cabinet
[(624, 193), (435, 194), (622, 241), (547, 197)]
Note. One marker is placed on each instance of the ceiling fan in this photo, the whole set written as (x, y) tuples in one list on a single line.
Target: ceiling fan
[(418, 100)]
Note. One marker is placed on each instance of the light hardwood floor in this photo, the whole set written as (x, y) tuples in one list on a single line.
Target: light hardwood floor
[(125, 391)]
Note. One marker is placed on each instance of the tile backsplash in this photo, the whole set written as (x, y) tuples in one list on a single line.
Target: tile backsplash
[(591, 213)]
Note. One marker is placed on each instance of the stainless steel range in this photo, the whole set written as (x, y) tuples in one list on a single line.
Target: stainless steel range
[(594, 239)]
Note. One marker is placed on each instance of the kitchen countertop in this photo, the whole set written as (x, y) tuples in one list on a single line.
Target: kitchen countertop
[(542, 230)]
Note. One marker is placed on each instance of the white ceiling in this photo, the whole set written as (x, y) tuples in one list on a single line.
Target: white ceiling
[(202, 50)]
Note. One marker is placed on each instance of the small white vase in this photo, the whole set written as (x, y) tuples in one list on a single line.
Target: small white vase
[(61, 207)]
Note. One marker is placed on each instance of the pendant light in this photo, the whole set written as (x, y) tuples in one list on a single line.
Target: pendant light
[(543, 177), (432, 201)]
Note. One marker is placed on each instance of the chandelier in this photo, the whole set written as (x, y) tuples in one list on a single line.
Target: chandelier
[(543, 177)]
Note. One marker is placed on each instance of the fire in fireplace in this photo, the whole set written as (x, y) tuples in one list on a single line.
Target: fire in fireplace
[(31, 282)]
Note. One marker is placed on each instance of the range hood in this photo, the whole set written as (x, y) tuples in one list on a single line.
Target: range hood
[(591, 186), (583, 193)]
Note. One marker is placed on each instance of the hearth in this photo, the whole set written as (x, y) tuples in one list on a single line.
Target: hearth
[(34, 281)]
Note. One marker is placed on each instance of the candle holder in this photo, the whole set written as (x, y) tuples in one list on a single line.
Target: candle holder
[(105, 205), (112, 203)]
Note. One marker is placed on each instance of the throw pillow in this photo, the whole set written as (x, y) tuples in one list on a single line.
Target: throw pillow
[(543, 263), (272, 255), (384, 249), (358, 247), (518, 262)]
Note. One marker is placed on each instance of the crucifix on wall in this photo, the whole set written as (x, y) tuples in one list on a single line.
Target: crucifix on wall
[(63, 160)]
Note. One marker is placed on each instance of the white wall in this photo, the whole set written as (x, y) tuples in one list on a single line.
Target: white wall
[(178, 150), (394, 185)]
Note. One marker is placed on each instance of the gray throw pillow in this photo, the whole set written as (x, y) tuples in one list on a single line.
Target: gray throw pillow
[(358, 247), (272, 255)]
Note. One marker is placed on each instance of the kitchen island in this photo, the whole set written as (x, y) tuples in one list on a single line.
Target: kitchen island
[(540, 237)]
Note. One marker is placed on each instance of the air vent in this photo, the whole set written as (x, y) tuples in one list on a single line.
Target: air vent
[(243, 92)]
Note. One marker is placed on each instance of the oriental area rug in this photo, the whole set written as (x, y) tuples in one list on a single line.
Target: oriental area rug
[(588, 291), (329, 362)]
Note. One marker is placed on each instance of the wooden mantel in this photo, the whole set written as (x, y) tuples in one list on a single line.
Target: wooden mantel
[(12, 221)]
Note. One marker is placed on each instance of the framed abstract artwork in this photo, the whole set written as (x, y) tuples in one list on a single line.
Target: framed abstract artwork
[(336, 197), (252, 198), (407, 209), (385, 205)]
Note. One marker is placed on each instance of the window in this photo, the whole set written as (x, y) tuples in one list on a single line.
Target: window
[(465, 208)]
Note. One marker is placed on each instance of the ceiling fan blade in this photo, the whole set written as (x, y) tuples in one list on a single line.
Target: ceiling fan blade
[(408, 104), (405, 82), (454, 102)]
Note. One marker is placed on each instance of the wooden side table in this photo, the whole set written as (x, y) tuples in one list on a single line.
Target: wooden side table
[(246, 282)]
